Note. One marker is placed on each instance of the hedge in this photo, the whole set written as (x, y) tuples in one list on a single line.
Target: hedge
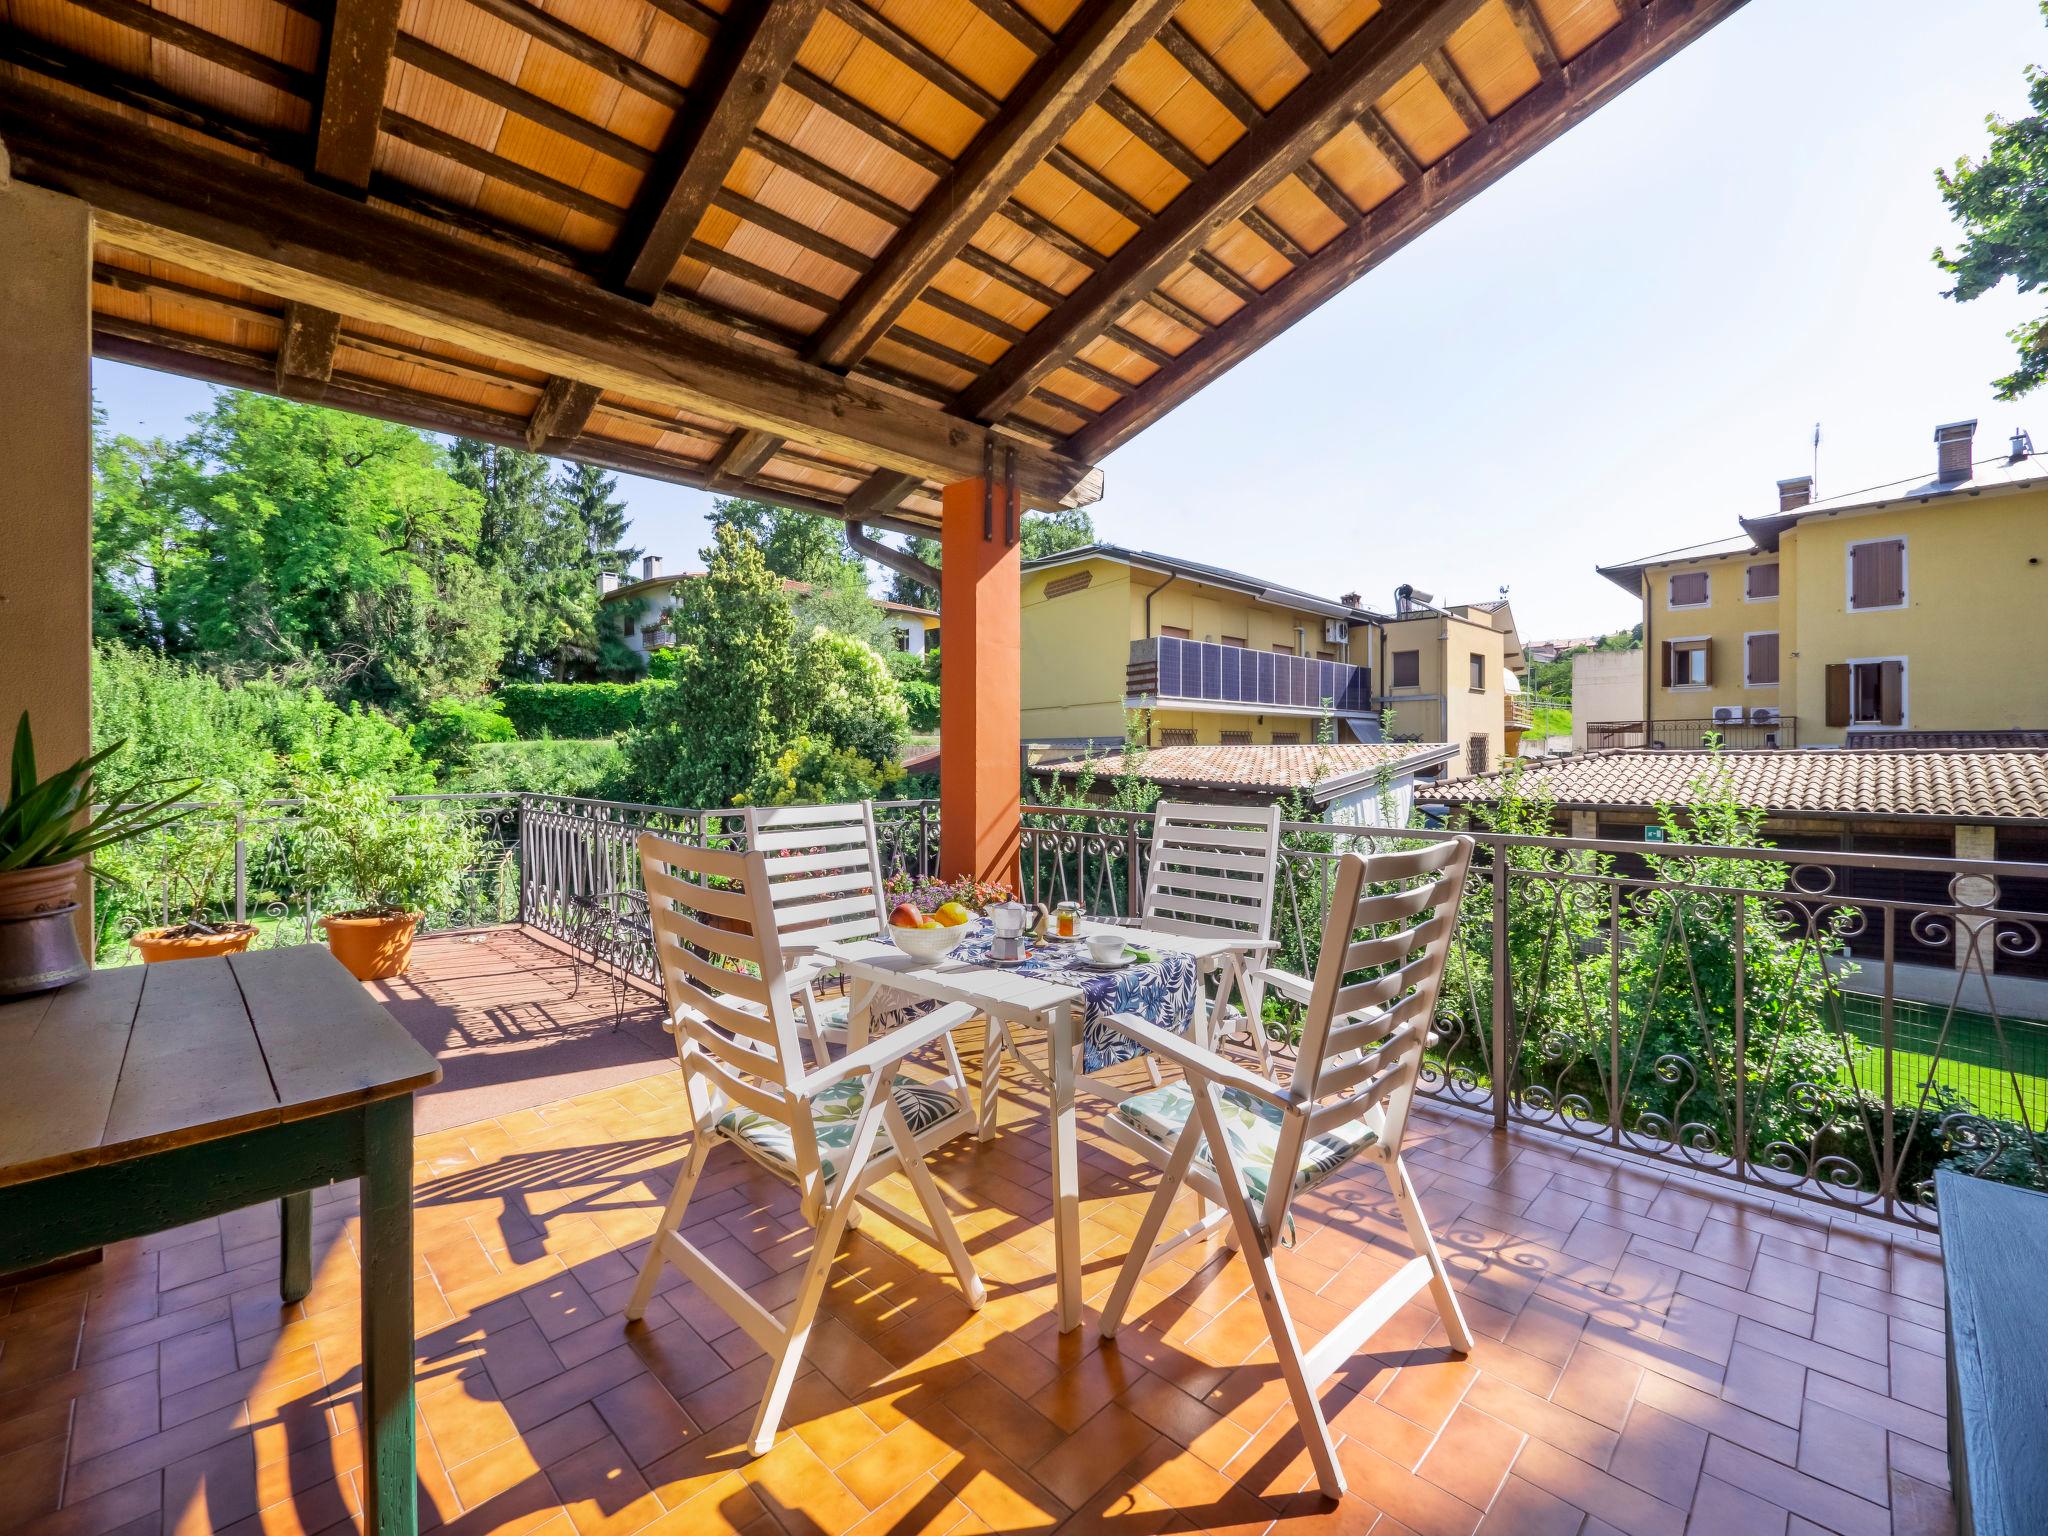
[(572, 711), (544, 767)]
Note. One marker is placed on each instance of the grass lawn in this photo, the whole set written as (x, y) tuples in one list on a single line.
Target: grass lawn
[(1999, 1065), (1550, 720)]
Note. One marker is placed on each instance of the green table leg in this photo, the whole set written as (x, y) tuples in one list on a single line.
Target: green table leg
[(295, 1260), (390, 1507)]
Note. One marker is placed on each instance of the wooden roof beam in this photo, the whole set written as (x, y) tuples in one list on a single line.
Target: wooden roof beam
[(1456, 91), (751, 54), (562, 412), (742, 456), (1368, 64), (214, 213), (1644, 37), (1047, 102), (1535, 34)]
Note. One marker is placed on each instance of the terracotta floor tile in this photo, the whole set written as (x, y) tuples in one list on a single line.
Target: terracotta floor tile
[(1720, 1509), (1622, 1505), (1782, 1486), (1104, 1446), (1420, 1505), (601, 1490), (1471, 1456), (1660, 1454)]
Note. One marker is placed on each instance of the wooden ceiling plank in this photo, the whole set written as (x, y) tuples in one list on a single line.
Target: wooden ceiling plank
[(1456, 91), (562, 413), (912, 54), (1645, 37), (1327, 192), (1178, 313), (451, 146), (750, 56), (50, 62), (1296, 33), (1257, 222), (1069, 246), (795, 231), (1214, 79), (200, 43), (823, 176), (974, 256), (870, 122), (1097, 185), (584, 49), (224, 216), (1223, 277), (1535, 34), (1048, 101), (1369, 63), (777, 283), (1388, 143), (1152, 136), (501, 92)]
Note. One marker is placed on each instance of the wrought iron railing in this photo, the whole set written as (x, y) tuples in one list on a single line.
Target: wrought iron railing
[(1693, 735)]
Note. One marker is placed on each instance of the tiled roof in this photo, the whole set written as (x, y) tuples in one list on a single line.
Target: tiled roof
[(1924, 740), (1261, 768), (2003, 785)]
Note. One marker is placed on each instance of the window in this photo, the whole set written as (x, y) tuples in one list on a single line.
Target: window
[(1871, 692), (1232, 640), (1877, 574), (1172, 632), (1237, 738), (1689, 590), (1478, 681), (1287, 738), (1176, 738), (1326, 655), (1761, 582), (1760, 660), (1688, 663), (1407, 669), (1475, 755), (1282, 650), (902, 639)]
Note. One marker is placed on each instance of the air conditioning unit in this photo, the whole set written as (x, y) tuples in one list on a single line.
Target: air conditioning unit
[(1766, 714), (1729, 714), (1336, 631)]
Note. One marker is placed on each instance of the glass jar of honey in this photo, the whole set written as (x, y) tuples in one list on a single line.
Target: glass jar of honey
[(1066, 920)]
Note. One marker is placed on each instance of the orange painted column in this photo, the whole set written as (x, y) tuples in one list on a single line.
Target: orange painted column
[(980, 687)]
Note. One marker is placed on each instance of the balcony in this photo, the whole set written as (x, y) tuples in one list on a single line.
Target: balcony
[(1692, 735), (1170, 671), (1677, 1262)]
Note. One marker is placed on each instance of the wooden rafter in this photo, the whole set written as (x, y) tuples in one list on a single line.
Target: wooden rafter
[(750, 56), (1296, 33), (305, 351), (1053, 95), (1456, 91), (741, 457), (1535, 34), (562, 412), (1368, 64), (1646, 35), (216, 214)]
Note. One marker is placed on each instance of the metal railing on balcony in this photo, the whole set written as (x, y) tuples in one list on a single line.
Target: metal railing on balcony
[(1824, 1026), (1168, 670), (1693, 735)]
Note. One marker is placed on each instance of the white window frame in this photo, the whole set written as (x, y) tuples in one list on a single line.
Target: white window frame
[(1675, 641), (1905, 576), (1747, 636), (1774, 596), (1905, 694), (1705, 602)]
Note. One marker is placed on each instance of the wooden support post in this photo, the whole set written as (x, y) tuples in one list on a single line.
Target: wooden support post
[(295, 1245), (980, 693), (389, 1506)]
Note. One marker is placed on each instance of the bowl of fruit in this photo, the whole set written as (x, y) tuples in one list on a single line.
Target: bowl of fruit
[(930, 936)]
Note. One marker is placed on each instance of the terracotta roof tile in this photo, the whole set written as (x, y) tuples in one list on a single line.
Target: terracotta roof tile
[(1924, 740), (1261, 768), (1966, 785)]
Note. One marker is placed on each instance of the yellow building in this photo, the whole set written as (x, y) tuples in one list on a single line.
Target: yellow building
[(1222, 658), (1913, 607)]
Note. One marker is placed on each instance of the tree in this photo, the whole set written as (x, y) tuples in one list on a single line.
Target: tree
[(131, 520), (1041, 534), (703, 740), (801, 546), (844, 696), (2001, 202), (593, 496), (843, 605), (534, 542)]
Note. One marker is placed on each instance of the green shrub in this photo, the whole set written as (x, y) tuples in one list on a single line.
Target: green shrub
[(367, 853), (453, 729), (814, 772), (593, 768), (577, 711), (923, 701)]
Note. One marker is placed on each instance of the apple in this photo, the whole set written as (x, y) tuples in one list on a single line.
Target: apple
[(906, 916)]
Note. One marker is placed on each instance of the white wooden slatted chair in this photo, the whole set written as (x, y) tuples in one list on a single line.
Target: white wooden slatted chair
[(833, 1130), (1211, 871), (1224, 1130), (825, 880)]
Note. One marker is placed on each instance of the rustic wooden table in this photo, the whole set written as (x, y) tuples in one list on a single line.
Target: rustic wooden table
[(146, 1097)]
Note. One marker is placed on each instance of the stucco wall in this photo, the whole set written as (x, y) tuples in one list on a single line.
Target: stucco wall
[(1725, 621), (1440, 708), (1606, 685)]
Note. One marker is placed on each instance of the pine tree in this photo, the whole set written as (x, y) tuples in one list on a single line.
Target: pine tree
[(593, 494)]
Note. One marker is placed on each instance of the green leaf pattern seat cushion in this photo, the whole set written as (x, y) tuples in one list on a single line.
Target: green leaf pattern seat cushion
[(1253, 1127), (837, 1113)]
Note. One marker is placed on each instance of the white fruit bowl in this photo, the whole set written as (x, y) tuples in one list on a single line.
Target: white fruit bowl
[(928, 944)]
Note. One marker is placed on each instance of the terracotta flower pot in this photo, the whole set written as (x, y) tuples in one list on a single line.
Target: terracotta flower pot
[(155, 944), (372, 946), (42, 888)]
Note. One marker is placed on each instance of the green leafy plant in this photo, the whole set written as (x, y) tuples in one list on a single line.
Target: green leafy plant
[(183, 872), (73, 812), (375, 856)]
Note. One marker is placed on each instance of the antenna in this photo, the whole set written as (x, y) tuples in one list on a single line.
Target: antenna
[(1815, 492)]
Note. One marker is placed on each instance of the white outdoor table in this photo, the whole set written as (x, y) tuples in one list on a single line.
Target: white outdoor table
[(1019, 1000)]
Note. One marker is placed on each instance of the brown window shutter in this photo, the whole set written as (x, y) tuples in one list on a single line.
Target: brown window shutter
[(1861, 589), (1838, 694), (1666, 662), (1763, 659), (1891, 566), (1763, 580), (1891, 692), (1706, 663)]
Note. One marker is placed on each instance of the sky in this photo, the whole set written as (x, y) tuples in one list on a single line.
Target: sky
[(1616, 350)]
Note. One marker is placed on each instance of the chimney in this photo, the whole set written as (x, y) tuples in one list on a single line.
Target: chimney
[(2022, 446), (1351, 599), (650, 567), (1954, 451), (1795, 493), (607, 581)]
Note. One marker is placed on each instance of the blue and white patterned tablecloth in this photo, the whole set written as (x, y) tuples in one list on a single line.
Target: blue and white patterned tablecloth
[(1160, 990)]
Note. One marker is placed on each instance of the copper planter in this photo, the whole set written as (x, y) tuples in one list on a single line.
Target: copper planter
[(40, 952)]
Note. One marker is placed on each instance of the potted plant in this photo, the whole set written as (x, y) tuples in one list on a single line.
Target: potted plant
[(382, 865), (195, 859), (48, 827)]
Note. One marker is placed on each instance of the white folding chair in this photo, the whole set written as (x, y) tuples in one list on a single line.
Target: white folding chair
[(730, 996), (825, 880), (1224, 1130), (1211, 873)]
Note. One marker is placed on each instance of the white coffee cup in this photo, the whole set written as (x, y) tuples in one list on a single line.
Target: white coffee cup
[(1105, 948)]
